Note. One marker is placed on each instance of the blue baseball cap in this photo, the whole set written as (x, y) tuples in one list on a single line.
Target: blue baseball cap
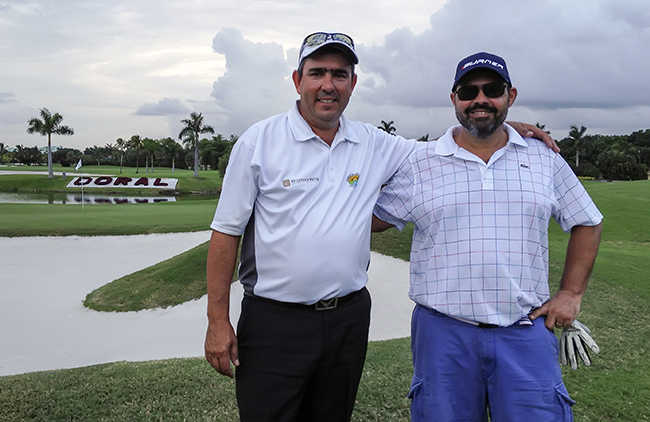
[(482, 60)]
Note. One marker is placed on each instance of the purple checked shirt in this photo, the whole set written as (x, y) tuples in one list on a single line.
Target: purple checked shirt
[(480, 243)]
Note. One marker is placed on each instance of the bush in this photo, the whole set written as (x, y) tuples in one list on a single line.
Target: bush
[(587, 169)]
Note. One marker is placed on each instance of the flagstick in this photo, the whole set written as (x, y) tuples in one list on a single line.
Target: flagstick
[(77, 168)]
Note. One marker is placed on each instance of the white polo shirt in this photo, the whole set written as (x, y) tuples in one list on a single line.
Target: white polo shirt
[(480, 244), (309, 205)]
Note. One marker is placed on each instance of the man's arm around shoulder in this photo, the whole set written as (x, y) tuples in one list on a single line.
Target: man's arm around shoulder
[(564, 306), (220, 339), (379, 225)]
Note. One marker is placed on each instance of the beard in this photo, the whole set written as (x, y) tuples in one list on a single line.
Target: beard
[(482, 127)]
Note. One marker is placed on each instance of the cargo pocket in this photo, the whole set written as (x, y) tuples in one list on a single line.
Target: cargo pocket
[(565, 402), (415, 394)]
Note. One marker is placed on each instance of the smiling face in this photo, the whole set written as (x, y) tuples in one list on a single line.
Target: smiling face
[(483, 116), (325, 87)]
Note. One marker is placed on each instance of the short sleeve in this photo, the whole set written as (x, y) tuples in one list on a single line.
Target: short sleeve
[(575, 206), (238, 192), (395, 202)]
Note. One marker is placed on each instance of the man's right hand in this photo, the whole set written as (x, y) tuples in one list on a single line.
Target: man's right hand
[(221, 348)]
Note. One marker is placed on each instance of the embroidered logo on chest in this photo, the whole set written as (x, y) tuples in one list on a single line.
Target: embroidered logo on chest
[(353, 179)]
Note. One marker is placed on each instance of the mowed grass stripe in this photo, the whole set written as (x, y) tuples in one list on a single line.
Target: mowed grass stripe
[(93, 220)]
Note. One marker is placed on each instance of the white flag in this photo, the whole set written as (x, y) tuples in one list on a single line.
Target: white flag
[(78, 166)]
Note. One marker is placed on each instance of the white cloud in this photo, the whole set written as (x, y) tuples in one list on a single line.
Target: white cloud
[(255, 84), (96, 61), (164, 107)]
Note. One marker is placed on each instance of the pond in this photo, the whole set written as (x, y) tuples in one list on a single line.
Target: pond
[(78, 199)]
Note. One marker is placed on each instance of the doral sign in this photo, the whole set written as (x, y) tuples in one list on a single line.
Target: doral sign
[(122, 182)]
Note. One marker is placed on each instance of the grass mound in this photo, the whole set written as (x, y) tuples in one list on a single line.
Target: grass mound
[(169, 283)]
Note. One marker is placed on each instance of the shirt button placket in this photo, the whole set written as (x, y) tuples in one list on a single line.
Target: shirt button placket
[(488, 178), (330, 166)]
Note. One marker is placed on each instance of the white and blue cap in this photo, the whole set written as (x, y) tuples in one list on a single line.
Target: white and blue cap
[(482, 60), (318, 40)]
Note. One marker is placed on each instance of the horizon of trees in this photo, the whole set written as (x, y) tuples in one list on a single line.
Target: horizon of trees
[(606, 157), (609, 157), (213, 154), (210, 154)]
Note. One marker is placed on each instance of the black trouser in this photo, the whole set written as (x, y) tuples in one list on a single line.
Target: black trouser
[(298, 364)]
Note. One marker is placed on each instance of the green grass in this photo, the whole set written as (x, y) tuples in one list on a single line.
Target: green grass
[(183, 215), (168, 283), (615, 388), (92, 220), (180, 390)]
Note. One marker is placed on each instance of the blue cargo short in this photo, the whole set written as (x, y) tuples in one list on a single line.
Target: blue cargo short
[(462, 372)]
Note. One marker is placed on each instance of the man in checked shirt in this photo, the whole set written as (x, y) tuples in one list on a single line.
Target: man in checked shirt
[(481, 198)]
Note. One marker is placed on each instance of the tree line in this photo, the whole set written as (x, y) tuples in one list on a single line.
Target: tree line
[(141, 153), (607, 157), (208, 153)]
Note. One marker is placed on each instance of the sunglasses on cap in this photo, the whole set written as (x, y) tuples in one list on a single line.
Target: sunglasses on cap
[(318, 38), (490, 90)]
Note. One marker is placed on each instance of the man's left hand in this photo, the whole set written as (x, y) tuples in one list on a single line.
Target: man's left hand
[(532, 131), (560, 310)]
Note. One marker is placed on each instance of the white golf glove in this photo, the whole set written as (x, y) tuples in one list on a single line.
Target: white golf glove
[(573, 341)]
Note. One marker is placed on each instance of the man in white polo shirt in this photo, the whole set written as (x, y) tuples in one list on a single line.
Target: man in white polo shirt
[(300, 187), (481, 198)]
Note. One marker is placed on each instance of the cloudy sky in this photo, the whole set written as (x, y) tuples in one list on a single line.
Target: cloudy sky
[(115, 68)]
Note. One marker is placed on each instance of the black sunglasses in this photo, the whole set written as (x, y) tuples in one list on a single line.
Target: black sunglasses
[(491, 90), (319, 38)]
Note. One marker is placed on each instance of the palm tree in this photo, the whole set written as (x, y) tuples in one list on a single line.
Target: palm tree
[(193, 128), (387, 127), (136, 142), (577, 137), (151, 146), (171, 149), (542, 127), (47, 125), (120, 145), (3, 151)]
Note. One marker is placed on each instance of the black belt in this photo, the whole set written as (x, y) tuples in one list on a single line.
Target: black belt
[(484, 325), (321, 305)]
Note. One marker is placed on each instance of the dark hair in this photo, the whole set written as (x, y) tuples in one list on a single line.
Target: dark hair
[(322, 52)]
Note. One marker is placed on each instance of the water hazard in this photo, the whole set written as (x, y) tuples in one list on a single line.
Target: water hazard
[(78, 199)]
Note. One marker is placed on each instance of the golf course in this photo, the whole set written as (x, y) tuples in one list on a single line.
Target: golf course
[(615, 388)]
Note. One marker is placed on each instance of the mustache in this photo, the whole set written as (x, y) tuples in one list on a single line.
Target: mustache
[(485, 107)]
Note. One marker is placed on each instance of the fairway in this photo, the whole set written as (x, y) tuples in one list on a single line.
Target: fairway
[(67, 220)]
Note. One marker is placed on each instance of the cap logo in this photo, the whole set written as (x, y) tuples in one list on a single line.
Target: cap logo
[(482, 61)]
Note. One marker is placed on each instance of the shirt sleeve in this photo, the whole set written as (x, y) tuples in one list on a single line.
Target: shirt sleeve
[(395, 151), (575, 206), (395, 201), (238, 191)]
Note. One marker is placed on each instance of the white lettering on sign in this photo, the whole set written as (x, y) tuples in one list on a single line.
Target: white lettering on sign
[(122, 182)]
